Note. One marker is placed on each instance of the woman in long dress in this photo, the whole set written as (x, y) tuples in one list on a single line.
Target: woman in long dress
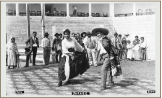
[(136, 52), (12, 53), (130, 51), (73, 61)]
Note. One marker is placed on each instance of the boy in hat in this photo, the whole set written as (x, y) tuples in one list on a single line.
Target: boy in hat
[(56, 47)]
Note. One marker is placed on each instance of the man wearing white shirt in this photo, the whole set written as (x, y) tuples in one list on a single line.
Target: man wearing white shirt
[(46, 44), (143, 47), (91, 44)]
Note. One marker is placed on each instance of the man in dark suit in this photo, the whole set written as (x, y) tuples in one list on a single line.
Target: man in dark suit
[(33, 44)]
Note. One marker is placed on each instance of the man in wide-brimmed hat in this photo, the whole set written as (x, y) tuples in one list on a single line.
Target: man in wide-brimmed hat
[(101, 33), (46, 44), (91, 47), (56, 47)]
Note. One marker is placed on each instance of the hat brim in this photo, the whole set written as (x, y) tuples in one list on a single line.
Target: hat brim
[(126, 34), (66, 35), (103, 30), (56, 34)]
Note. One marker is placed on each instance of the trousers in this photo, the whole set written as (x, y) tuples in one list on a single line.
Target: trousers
[(34, 50), (92, 56), (46, 55), (106, 71)]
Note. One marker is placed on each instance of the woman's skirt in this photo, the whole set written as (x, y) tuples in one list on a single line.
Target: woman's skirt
[(78, 65), (136, 53), (11, 60)]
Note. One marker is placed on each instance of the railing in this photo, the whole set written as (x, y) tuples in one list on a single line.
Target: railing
[(62, 14), (79, 14), (137, 14)]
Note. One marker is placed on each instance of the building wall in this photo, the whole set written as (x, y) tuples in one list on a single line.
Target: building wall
[(139, 25)]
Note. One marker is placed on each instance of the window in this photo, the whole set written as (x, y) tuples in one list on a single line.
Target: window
[(56, 10), (100, 10), (79, 10), (11, 9)]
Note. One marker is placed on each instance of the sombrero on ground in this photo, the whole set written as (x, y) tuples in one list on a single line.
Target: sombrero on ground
[(103, 30)]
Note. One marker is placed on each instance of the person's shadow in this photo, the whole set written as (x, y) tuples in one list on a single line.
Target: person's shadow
[(126, 82)]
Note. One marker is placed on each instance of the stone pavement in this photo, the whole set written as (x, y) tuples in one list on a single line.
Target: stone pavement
[(43, 81)]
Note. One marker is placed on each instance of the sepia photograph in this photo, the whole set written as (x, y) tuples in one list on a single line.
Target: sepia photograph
[(80, 49)]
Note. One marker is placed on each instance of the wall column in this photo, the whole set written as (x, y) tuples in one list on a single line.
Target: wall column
[(90, 9), (111, 10), (67, 10), (17, 9), (134, 9), (43, 21)]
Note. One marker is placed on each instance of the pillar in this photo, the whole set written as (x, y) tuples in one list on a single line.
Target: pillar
[(17, 9), (134, 9), (90, 9), (111, 10), (42, 20), (67, 10)]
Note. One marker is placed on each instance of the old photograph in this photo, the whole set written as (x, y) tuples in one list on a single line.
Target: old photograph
[(80, 49)]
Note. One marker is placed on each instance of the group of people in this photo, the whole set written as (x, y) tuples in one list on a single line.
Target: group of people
[(75, 53), (130, 49)]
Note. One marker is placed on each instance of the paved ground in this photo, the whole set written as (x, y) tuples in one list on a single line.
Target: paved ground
[(138, 78)]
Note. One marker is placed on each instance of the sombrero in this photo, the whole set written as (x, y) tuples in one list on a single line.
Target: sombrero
[(103, 30), (89, 33), (46, 34), (127, 34), (56, 34), (115, 33)]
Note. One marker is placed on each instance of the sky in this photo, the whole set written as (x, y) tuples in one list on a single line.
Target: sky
[(119, 8)]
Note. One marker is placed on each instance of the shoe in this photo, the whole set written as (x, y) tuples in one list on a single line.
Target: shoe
[(102, 88), (68, 82), (60, 83), (111, 83), (26, 66)]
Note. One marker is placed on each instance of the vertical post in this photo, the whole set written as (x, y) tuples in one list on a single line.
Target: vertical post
[(90, 13), (67, 9), (111, 9), (134, 9), (17, 9), (28, 20), (42, 13)]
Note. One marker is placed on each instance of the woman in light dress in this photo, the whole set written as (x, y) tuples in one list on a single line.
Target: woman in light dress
[(12, 53), (130, 51)]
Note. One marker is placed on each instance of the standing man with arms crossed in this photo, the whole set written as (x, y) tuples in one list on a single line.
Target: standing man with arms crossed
[(33, 44)]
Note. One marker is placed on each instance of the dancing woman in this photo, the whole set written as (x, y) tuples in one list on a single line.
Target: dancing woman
[(73, 61)]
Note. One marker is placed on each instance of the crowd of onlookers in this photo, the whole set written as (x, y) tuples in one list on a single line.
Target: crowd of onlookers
[(128, 49)]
